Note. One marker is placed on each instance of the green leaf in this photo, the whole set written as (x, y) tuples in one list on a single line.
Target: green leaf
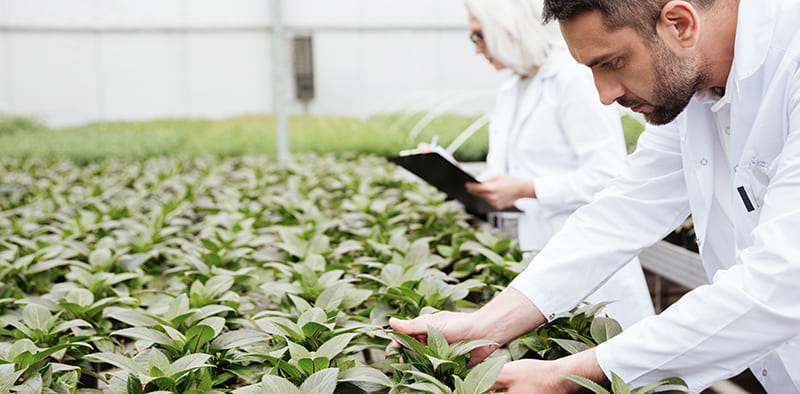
[(316, 315), (299, 303), (67, 325), (100, 258), (313, 330), (410, 343), (475, 247), (596, 388), (238, 339), (146, 334), (436, 362), (198, 336), (332, 347), (82, 297), (188, 363), (277, 385), (618, 386), (298, 352), (48, 265), (135, 385), (307, 365), (673, 381), (465, 346), (330, 298), (210, 245), (33, 384), (365, 375), (118, 361), (158, 364), (322, 382), (36, 316), (483, 376), (438, 343), (134, 318), (206, 311), (604, 328), (218, 285), (570, 346)]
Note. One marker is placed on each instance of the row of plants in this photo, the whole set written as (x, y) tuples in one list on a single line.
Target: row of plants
[(254, 134), (196, 275)]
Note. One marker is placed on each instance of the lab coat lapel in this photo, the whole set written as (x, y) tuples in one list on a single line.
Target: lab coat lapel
[(532, 98), (500, 124), (527, 104), (698, 145)]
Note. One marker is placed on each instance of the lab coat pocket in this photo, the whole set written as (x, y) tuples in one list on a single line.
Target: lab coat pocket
[(751, 183)]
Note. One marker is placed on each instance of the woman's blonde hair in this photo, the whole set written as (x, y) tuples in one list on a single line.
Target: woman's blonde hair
[(514, 32)]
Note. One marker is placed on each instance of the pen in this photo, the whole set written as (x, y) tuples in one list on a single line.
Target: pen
[(435, 140)]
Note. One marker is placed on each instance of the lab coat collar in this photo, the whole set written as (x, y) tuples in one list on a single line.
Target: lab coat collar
[(556, 60), (755, 25)]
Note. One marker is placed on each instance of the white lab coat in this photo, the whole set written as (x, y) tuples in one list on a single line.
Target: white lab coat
[(750, 313), (570, 146)]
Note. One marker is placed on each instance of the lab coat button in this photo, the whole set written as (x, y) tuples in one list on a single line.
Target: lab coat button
[(553, 316), (764, 372), (703, 161)]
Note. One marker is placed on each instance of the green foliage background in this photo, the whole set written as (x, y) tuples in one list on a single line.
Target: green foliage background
[(22, 137)]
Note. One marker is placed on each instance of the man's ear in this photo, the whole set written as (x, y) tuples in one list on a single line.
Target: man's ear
[(679, 25)]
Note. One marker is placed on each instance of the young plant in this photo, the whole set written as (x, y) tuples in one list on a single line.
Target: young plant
[(438, 363), (574, 332), (159, 372), (664, 386)]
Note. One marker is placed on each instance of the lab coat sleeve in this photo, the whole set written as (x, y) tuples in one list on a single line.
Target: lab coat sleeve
[(717, 330), (637, 209), (594, 132)]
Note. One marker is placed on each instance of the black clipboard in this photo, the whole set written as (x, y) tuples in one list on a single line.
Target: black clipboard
[(435, 169)]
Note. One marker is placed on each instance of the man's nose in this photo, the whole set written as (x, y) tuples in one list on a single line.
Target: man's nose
[(609, 88)]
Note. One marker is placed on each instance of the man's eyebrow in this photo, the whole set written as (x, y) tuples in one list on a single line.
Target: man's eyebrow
[(598, 60)]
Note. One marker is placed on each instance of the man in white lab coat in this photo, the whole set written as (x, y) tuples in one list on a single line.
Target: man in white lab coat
[(719, 81)]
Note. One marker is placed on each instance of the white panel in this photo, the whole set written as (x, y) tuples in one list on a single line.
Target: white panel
[(4, 8), (230, 74), (322, 12), (144, 76), (397, 65), (50, 12), (413, 13), (5, 76), (464, 69), (54, 77), (338, 76), (135, 13), (452, 12), (228, 13)]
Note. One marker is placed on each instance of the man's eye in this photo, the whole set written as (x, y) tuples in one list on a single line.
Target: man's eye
[(612, 65)]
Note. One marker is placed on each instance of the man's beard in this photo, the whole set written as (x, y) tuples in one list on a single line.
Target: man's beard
[(676, 81)]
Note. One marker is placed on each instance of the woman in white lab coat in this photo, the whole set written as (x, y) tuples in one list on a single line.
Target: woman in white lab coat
[(552, 144)]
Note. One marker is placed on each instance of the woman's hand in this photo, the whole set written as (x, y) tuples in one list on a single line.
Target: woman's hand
[(502, 191)]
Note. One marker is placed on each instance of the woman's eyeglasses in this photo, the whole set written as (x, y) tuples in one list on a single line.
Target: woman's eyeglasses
[(477, 38)]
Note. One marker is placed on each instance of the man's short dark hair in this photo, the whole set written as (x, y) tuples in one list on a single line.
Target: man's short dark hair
[(641, 15)]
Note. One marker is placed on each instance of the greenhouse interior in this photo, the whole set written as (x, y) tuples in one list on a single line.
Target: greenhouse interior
[(372, 196)]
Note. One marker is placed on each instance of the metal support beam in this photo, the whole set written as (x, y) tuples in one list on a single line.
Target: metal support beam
[(279, 82)]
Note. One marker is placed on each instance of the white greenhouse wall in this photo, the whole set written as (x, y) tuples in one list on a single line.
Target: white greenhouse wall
[(73, 61)]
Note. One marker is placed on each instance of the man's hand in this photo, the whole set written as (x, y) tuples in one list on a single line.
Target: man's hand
[(507, 316), (502, 191), (455, 326), (546, 377)]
